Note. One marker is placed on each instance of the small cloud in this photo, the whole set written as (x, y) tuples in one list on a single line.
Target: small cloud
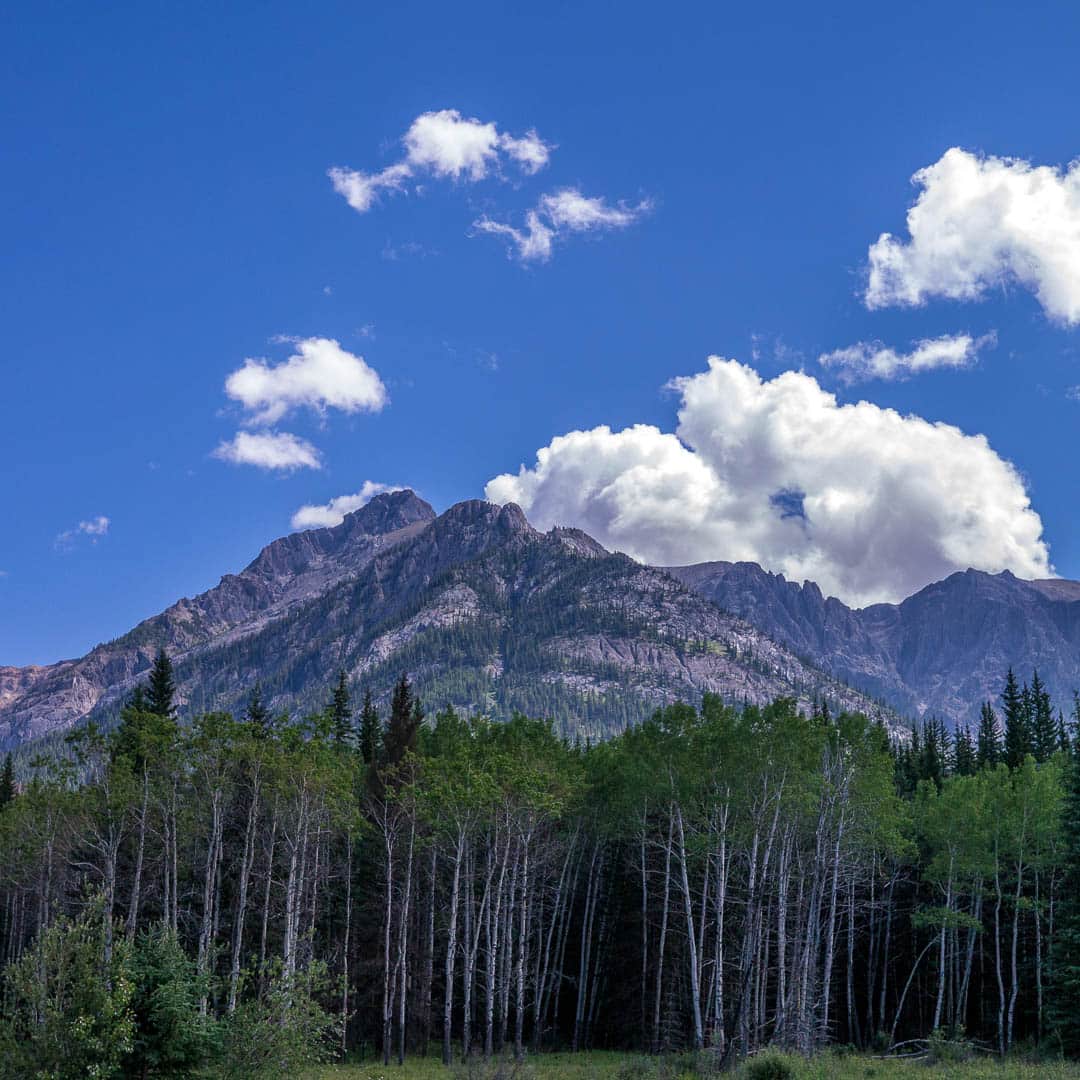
[(557, 215), (326, 515), (328, 290), (1073, 393), (274, 450), (94, 528), (410, 249), (448, 146), (320, 375), (874, 360)]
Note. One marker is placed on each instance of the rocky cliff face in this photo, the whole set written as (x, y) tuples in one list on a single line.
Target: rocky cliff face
[(485, 613), (941, 652)]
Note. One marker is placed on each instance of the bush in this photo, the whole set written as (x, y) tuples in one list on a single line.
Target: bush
[(67, 1014), (769, 1065), (282, 1035), (948, 1047)]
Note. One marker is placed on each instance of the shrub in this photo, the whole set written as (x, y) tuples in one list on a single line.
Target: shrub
[(769, 1065)]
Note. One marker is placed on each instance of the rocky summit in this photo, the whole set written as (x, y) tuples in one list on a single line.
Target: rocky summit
[(482, 610)]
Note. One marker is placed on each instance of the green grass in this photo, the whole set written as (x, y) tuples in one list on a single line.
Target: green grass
[(599, 1065)]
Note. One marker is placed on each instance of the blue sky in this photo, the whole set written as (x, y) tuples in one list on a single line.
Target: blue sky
[(167, 214)]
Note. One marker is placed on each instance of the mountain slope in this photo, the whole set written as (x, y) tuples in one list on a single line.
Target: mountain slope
[(483, 611), (941, 652)]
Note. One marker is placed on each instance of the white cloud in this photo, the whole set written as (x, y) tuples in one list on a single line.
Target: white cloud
[(557, 214), (319, 375), (980, 223), (94, 527), (280, 450), (874, 360), (316, 516), (870, 504), (448, 146)]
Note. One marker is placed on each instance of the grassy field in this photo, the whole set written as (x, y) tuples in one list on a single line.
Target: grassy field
[(614, 1066)]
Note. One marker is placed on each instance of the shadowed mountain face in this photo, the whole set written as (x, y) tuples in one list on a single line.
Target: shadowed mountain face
[(482, 610), (941, 652)]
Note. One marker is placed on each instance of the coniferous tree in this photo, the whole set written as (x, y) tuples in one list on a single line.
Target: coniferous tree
[(7, 783), (256, 713), (988, 747), (932, 762), (1016, 706), (1044, 735), (340, 711), (404, 724), (370, 731), (1065, 974), (161, 689), (964, 763)]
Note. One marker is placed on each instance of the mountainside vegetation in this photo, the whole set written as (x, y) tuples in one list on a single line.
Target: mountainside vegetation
[(251, 894)]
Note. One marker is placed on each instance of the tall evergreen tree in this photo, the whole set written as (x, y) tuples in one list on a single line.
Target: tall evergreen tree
[(932, 764), (370, 731), (404, 724), (988, 746), (1064, 996), (161, 689), (1015, 704), (1044, 728), (7, 783), (256, 713), (964, 763), (340, 711)]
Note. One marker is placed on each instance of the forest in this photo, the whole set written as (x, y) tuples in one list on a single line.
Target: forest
[(250, 895)]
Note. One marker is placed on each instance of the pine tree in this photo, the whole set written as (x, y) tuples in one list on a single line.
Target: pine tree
[(370, 731), (161, 690), (7, 783), (963, 752), (404, 725), (1064, 742), (340, 711), (988, 747), (1064, 996), (256, 713), (932, 763), (1016, 706), (1044, 727)]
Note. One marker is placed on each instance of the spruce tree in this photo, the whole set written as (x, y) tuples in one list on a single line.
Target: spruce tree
[(988, 747), (1064, 996), (370, 731), (161, 690), (256, 713), (404, 725), (1016, 706), (7, 783), (340, 711), (964, 763), (1044, 735)]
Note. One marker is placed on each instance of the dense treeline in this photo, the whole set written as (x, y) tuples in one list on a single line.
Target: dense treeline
[(409, 884)]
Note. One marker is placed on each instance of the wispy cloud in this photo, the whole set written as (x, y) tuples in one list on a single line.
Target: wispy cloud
[(558, 215), (875, 360), (94, 528), (319, 516)]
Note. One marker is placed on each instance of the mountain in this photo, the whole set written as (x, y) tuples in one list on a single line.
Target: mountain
[(941, 652), (481, 609)]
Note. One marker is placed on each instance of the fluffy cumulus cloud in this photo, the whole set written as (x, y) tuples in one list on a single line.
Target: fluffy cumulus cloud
[(318, 516), (320, 375), (557, 215), (874, 360), (93, 527), (446, 145), (981, 223), (280, 451), (870, 504)]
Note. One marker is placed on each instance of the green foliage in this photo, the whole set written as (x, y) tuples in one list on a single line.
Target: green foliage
[(66, 1011), (161, 689), (172, 1037), (281, 1035), (7, 782), (770, 1065)]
